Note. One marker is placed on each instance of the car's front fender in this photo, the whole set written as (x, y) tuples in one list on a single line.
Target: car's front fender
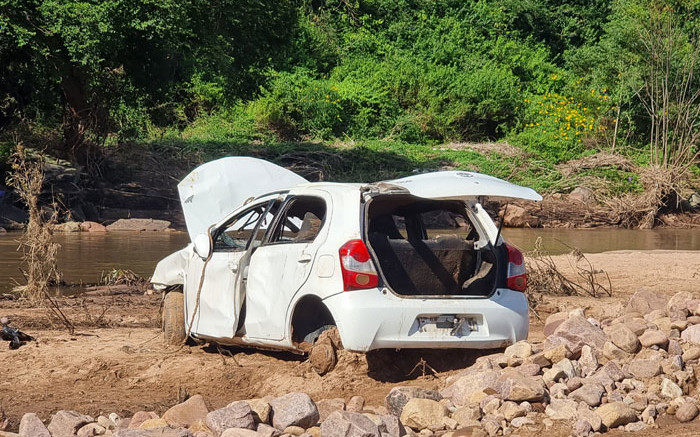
[(171, 269)]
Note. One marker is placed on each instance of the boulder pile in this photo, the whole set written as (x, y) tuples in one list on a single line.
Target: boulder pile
[(589, 376)]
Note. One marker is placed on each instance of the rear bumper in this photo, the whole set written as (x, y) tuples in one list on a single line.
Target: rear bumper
[(373, 319)]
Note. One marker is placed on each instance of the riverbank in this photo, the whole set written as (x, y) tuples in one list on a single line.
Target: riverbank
[(116, 361), (139, 181)]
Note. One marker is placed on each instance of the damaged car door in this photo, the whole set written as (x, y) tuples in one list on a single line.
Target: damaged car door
[(215, 281), (282, 265)]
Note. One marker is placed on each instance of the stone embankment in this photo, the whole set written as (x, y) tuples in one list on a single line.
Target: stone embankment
[(588, 376)]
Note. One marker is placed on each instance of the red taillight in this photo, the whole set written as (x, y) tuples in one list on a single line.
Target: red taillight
[(356, 265), (517, 276)]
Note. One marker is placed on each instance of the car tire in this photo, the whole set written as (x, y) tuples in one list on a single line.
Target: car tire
[(174, 318)]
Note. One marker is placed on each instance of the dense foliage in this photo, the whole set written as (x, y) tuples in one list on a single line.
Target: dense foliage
[(559, 78)]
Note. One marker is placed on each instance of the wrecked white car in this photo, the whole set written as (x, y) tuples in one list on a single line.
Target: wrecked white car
[(278, 262)]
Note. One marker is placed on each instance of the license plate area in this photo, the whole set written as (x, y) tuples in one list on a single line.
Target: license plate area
[(457, 325)]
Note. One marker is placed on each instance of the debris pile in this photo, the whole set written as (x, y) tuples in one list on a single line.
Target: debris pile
[(588, 376)]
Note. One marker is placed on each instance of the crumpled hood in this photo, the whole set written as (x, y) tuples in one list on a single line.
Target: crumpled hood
[(215, 189)]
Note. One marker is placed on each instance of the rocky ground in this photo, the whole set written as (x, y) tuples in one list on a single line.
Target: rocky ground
[(613, 364)]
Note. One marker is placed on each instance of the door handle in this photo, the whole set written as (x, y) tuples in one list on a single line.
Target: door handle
[(305, 258)]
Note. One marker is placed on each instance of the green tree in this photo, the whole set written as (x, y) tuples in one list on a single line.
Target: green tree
[(103, 63)]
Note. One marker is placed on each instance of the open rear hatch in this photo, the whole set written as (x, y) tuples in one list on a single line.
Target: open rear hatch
[(430, 237)]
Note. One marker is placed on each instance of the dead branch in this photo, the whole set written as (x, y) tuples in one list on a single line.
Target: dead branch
[(546, 278)]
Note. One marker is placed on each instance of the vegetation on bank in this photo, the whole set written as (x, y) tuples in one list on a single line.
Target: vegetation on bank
[(365, 88)]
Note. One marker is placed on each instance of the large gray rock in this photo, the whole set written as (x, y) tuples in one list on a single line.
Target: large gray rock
[(141, 416), (518, 217), (419, 413), (585, 413), (691, 334), (91, 430), (616, 414), (612, 352), (613, 371), (561, 409), (467, 384), (390, 424), (398, 397), (236, 415), (186, 413), (645, 301), (677, 306), (348, 424), (510, 410), (467, 416), (569, 367), (32, 426), (584, 195), (693, 353), (294, 409), (327, 406), (581, 428), (575, 332), (261, 410), (553, 322), (67, 423), (138, 224), (670, 389), (637, 324), (521, 349), (520, 388), (588, 361), (591, 394), (644, 368), (687, 412), (653, 337), (356, 404), (623, 337)]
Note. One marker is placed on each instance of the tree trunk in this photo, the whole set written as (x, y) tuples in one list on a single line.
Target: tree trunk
[(77, 116)]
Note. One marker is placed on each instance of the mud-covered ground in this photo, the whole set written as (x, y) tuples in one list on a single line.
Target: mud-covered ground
[(116, 361)]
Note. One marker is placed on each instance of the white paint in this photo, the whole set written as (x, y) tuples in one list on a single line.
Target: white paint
[(463, 185), (275, 276), (213, 190)]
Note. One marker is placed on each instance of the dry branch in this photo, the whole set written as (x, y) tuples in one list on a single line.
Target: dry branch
[(545, 277)]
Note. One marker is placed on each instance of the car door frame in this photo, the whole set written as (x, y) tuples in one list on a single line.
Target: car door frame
[(255, 329), (208, 311)]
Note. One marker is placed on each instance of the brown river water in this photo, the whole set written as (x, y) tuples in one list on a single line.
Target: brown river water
[(83, 257)]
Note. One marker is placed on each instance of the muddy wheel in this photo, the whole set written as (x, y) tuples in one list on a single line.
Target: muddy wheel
[(322, 356), (174, 318)]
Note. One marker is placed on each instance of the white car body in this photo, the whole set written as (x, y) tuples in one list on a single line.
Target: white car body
[(277, 287)]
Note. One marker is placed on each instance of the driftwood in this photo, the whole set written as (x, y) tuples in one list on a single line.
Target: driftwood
[(546, 278)]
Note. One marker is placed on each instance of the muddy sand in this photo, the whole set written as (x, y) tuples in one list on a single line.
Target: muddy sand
[(116, 361)]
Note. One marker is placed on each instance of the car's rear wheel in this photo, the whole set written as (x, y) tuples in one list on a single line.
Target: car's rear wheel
[(322, 356), (173, 321)]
